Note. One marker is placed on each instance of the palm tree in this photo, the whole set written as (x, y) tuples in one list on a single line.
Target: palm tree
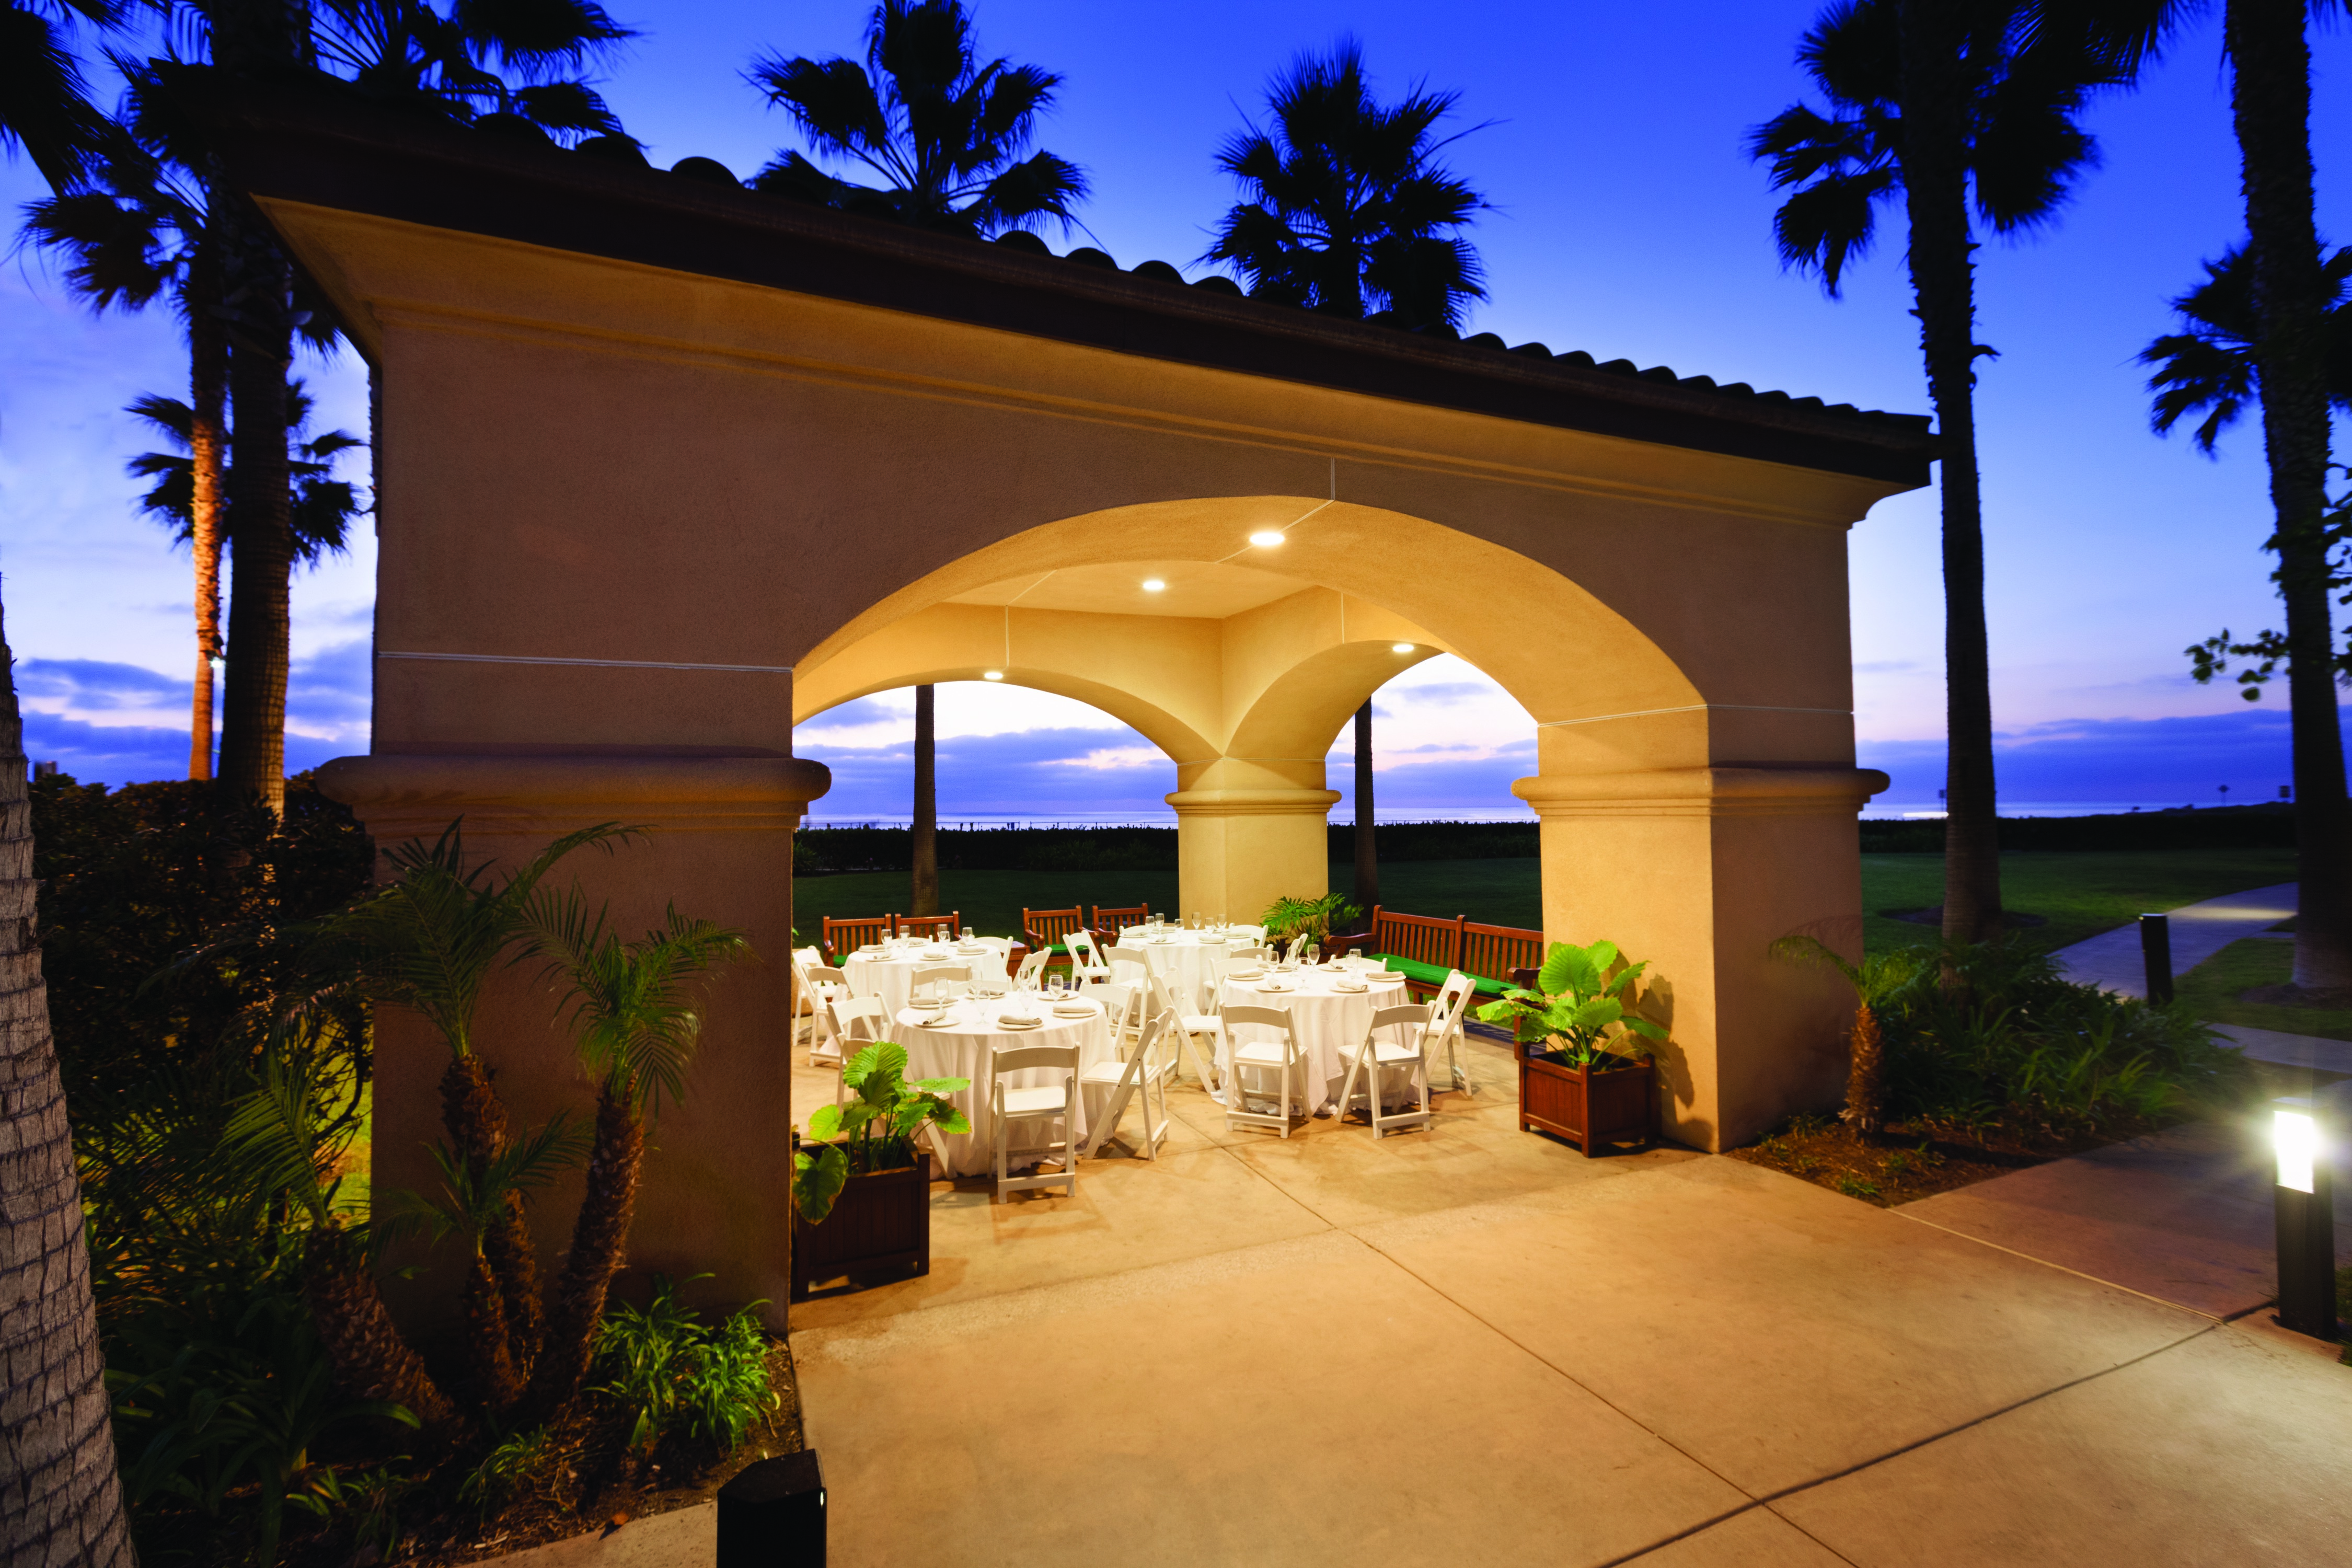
[(943, 130), (1947, 105), (429, 942), (924, 829), (45, 108), (457, 61), (322, 506), (61, 1492), (1877, 977), (1350, 211), (2292, 295), (635, 1026)]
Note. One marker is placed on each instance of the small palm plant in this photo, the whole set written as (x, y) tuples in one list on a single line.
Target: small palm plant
[(881, 1124), (1581, 1007), (1874, 979), (1287, 917), (635, 1026)]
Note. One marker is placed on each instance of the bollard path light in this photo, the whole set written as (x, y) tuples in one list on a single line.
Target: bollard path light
[(771, 1515), (2306, 1220), (2156, 955)]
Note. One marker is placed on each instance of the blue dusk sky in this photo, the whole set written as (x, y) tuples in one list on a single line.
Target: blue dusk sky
[(1625, 220)]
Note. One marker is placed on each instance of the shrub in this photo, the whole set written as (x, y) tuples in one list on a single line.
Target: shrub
[(674, 1375)]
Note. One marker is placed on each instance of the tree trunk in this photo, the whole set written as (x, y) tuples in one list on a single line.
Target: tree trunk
[(60, 1491), (2270, 100), (1935, 186), (475, 1120), (1367, 852), (370, 1357), (924, 898), (256, 37), (600, 1238), (207, 448)]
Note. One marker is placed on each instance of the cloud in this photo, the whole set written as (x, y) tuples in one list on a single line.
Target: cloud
[(1067, 772), (94, 685), (329, 694), (134, 754), (2085, 763), (1888, 667), (1438, 694)]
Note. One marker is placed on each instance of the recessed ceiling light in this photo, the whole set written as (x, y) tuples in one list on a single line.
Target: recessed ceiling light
[(1402, 648), (1267, 538), (1153, 584), (991, 675)]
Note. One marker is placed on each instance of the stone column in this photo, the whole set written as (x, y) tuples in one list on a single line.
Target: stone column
[(1697, 871), (720, 841), (1240, 849)]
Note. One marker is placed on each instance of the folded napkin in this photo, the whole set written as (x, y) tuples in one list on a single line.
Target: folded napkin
[(1350, 985), (1276, 986), (1069, 1010), (1020, 1023)]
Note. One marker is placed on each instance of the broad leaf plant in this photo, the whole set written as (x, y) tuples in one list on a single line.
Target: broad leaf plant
[(1581, 1008), (875, 1131)]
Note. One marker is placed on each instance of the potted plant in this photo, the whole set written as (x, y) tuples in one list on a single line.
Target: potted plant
[(1587, 1066), (861, 1189)]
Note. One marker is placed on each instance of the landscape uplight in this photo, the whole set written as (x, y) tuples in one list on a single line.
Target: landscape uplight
[(991, 675), (2305, 1211), (1267, 538), (1402, 648), (1153, 584)]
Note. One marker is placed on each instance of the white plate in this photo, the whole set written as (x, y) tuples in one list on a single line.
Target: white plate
[(1355, 990), (1277, 987), (1074, 1011)]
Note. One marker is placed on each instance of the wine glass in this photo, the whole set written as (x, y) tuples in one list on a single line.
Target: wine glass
[(1314, 954)]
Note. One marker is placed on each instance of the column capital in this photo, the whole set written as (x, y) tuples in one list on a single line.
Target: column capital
[(405, 795), (1793, 791), (1254, 802)]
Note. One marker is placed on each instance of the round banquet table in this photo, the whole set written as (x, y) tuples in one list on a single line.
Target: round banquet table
[(965, 1046), (889, 973), (1191, 963), (1322, 1020)]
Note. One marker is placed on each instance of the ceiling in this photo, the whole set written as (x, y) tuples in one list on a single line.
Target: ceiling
[(1197, 589)]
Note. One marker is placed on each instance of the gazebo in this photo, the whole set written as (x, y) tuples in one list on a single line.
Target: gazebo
[(666, 465)]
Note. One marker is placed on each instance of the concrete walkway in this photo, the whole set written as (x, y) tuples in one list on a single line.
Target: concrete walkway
[(1472, 1344), (2113, 960)]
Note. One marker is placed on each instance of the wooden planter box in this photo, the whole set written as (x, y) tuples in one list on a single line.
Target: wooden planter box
[(880, 1225), (1585, 1107)]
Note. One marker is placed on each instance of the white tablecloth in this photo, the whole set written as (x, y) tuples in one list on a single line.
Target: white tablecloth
[(890, 972), (1323, 1022), (967, 1047), (1188, 966)]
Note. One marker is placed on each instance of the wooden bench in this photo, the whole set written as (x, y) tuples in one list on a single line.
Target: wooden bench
[(843, 938), (1425, 950), (1043, 931), (1109, 923), (938, 927)]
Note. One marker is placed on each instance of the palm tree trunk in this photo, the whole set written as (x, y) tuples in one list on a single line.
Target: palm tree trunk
[(496, 1385), (207, 448), (61, 1492), (370, 1357), (2270, 100), (923, 899), (476, 1123), (1935, 184), (600, 1238), (1368, 850), (253, 711)]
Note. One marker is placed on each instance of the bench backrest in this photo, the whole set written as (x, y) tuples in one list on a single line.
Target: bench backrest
[(938, 927), (1493, 951), (845, 937), (1046, 928), (1419, 938), (1109, 923)]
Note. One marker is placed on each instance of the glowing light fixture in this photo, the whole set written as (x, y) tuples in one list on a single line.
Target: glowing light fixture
[(2305, 1213), (991, 675), (1402, 648), (1153, 584), (1267, 538)]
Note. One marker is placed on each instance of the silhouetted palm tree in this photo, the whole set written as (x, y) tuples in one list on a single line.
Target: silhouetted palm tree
[(2214, 367), (45, 107), (1943, 105), (457, 61), (943, 130), (322, 506), (2291, 291), (1350, 211)]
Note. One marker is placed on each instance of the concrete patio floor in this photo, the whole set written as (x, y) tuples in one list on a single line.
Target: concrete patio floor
[(1473, 1344)]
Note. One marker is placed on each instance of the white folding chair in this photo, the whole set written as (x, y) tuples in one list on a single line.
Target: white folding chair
[(1032, 973), (1446, 1011), (1128, 965), (1290, 954), (1278, 1057), (941, 979), (1044, 1101), (1086, 961), (1120, 1079), (1406, 1050), (1196, 1025), (1247, 954), (819, 981), (857, 1022)]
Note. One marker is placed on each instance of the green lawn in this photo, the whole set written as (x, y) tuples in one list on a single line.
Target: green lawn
[(2080, 895), (2212, 990)]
